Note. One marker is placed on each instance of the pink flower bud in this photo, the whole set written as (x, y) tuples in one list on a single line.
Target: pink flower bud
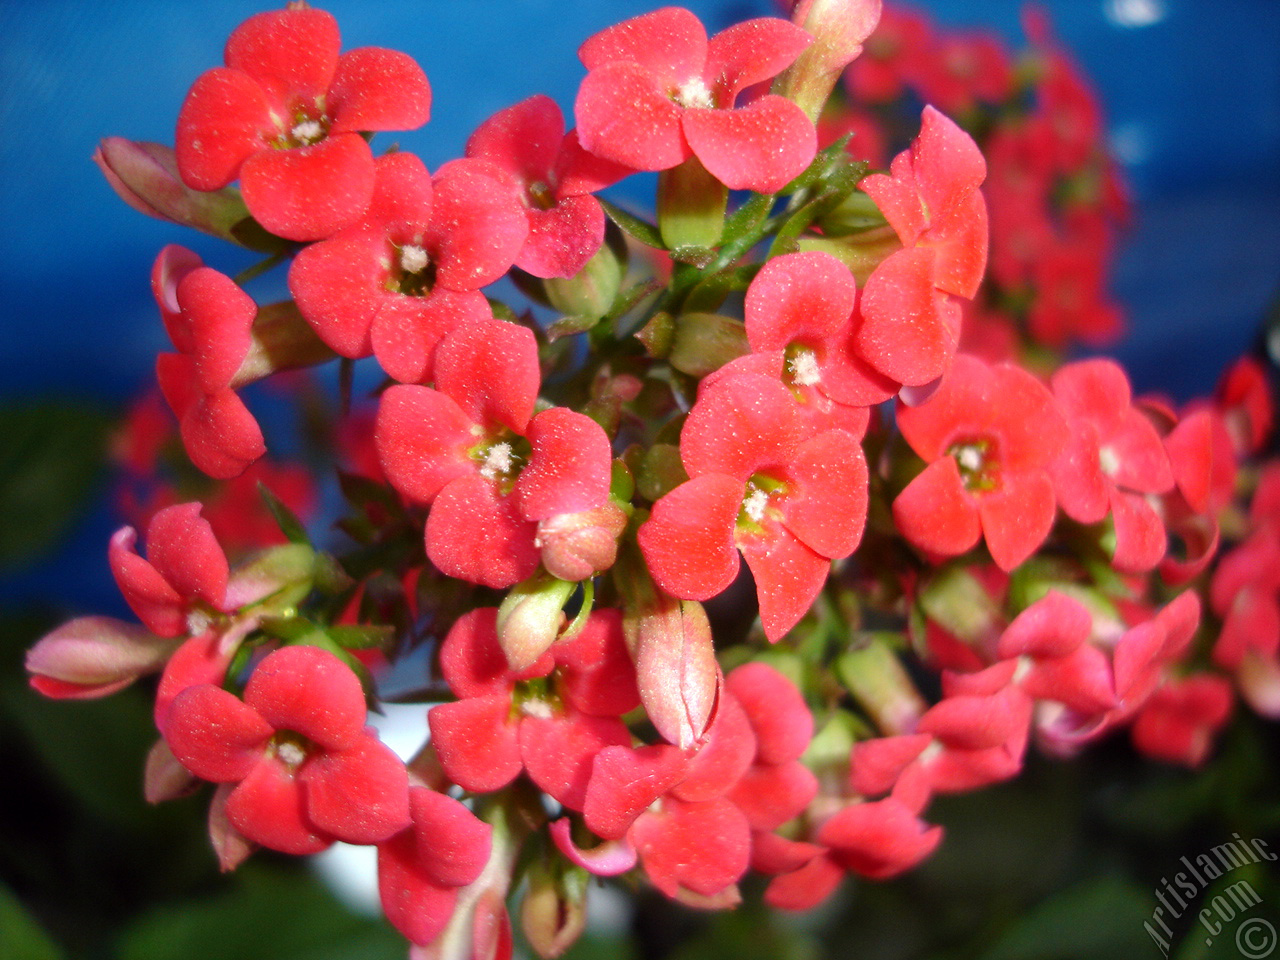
[(554, 911), (529, 619), (576, 546), (145, 175), (165, 778), (838, 28), (95, 656), (676, 668)]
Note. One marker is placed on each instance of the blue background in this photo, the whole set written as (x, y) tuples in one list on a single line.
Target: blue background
[(1191, 90)]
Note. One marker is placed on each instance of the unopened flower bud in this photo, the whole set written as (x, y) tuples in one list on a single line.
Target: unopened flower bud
[(705, 342), (554, 911), (285, 574), (145, 175), (860, 252), (691, 207), (282, 340), (164, 777), (530, 617), (838, 28), (576, 546), (960, 603), (879, 682), (588, 295), (676, 669), (95, 656)]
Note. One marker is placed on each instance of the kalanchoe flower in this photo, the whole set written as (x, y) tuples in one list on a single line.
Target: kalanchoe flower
[(758, 483), (490, 470), (1115, 457), (285, 115), (507, 721), (422, 868), (804, 306), (210, 321), (658, 92), (410, 269), (989, 436), (1182, 719), (556, 178), (307, 770), (911, 323)]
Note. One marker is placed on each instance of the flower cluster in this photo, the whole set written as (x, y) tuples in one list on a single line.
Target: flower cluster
[(823, 374)]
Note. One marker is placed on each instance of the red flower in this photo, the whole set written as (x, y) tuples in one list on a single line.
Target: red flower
[(556, 178), (285, 116), (422, 868), (210, 321), (504, 722), (759, 483), (489, 468), (409, 271), (804, 306), (989, 436), (658, 92), (1115, 456), (911, 324), (307, 770)]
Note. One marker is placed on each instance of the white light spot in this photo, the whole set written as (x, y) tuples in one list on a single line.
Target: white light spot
[(755, 503), (804, 369), (198, 622), (308, 131), (290, 754), (1109, 461), (1135, 13), (498, 461), (536, 708), (413, 258), (1131, 143), (695, 93), (970, 458)]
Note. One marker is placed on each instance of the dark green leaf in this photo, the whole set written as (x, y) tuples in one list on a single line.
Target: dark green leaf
[(271, 914), (639, 229), (285, 518), (20, 936), (51, 455), (1098, 919)]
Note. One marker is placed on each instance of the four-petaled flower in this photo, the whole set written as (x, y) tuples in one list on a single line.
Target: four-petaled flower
[(285, 116), (658, 92)]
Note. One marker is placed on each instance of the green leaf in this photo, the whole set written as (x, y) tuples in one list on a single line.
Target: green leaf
[(20, 936), (270, 914), (1098, 919), (285, 518), (51, 456), (639, 229), (362, 637)]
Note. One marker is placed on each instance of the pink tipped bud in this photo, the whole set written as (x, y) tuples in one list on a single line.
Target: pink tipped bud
[(165, 778), (95, 656), (231, 846), (281, 340), (529, 619), (554, 911), (576, 546), (838, 28), (676, 668), (145, 175)]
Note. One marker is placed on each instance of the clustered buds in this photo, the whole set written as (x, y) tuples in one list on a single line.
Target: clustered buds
[(822, 378)]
